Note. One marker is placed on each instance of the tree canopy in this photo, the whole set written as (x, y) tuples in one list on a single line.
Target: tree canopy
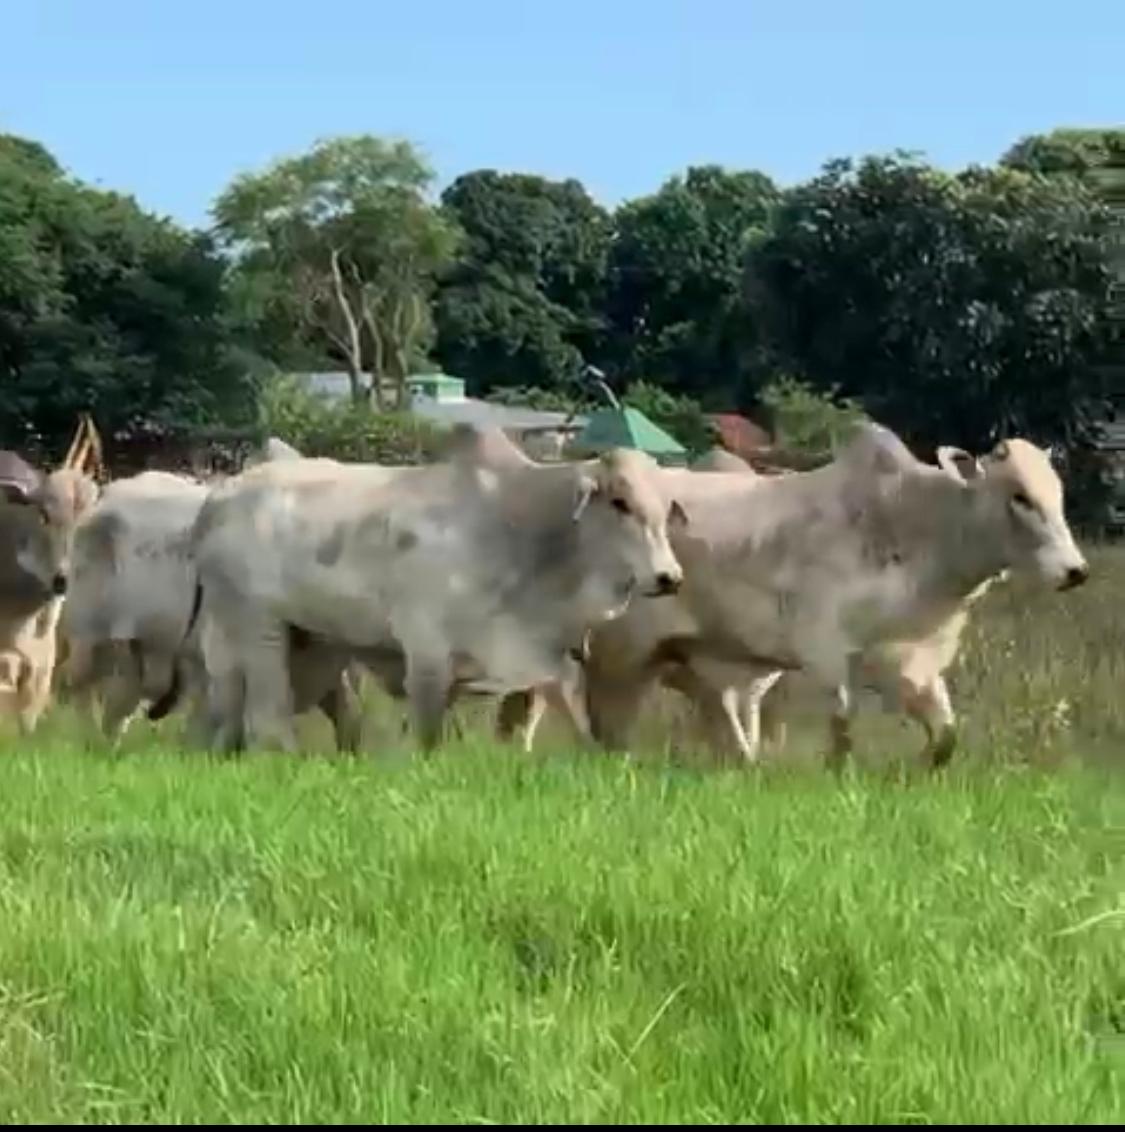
[(525, 301), (341, 244), (103, 308), (676, 282), (966, 306)]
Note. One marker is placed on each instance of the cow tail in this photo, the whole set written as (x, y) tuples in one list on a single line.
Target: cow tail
[(167, 702)]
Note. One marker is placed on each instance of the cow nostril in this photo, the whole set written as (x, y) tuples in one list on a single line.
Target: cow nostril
[(58, 585), (667, 584), (1076, 575)]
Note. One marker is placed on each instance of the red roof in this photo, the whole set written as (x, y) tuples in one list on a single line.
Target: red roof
[(739, 434)]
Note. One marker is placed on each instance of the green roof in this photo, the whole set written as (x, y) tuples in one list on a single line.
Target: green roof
[(626, 428)]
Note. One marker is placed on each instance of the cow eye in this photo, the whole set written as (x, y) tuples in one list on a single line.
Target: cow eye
[(1021, 500), (621, 505)]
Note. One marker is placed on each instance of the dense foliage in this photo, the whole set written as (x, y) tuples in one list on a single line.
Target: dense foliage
[(105, 308), (967, 306), (344, 430)]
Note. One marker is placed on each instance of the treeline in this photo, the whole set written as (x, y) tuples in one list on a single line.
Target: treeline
[(953, 306)]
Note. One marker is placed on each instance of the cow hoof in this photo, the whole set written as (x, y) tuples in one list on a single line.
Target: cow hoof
[(941, 751)]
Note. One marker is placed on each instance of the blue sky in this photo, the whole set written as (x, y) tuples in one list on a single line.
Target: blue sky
[(170, 100)]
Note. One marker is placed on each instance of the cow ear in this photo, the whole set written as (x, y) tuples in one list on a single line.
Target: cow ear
[(65, 496), (959, 464), (585, 489), (677, 517)]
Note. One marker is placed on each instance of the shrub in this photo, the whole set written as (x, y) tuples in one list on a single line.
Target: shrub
[(804, 420), (343, 430)]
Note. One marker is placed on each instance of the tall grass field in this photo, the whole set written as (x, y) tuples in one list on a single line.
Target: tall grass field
[(486, 936)]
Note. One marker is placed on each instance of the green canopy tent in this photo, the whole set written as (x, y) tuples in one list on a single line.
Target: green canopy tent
[(626, 427)]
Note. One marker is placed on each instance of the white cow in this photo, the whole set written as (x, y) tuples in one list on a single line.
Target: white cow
[(132, 592), (36, 529), (908, 674), (856, 570), (481, 578), (132, 596)]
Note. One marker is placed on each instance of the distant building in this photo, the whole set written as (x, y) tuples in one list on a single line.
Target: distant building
[(739, 434), (627, 427), (440, 398)]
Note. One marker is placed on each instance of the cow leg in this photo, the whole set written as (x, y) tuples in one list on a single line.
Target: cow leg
[(77, 678), (35, 685), (34, 695), (521, 713), (717, 703), (428, 681), (771, 716), (269, 691), (80, 671), (201, 728), (324, 676), (197, 729), (537, 709), (730, 709), (224, 686), (513, 713), (567, 694), (840, 725), (455, 725), (931, 707), (224, 712), (731, 706), (612, 706), (120, 702), (750, 715), (341, 706)]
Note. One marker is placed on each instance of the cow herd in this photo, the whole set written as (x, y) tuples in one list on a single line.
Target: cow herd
[(577, 585)]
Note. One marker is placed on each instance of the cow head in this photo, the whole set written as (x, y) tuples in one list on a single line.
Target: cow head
[(620, 506), (1022, 496), (37, 536), (32, 561)]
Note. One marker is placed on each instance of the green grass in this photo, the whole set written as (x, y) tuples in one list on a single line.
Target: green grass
[(564, 938)]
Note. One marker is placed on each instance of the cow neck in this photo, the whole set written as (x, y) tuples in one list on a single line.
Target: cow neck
[(968, 549), (537, 505)]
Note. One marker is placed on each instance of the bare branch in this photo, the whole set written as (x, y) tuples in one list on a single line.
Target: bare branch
[(354, 344), (378, 354)]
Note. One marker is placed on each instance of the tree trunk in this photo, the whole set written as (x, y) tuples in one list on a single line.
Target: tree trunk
[(378, 354), (354, 342)]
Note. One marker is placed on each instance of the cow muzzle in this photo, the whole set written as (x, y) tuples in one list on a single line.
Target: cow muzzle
[(59, 585), (1075, 576), (665, 585)]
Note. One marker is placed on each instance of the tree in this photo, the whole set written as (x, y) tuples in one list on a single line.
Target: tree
[(805, 421), (957, 308), (676, 272), (1075, 151), (103, 308), (524, 302), (342, 240), (495, 330)]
